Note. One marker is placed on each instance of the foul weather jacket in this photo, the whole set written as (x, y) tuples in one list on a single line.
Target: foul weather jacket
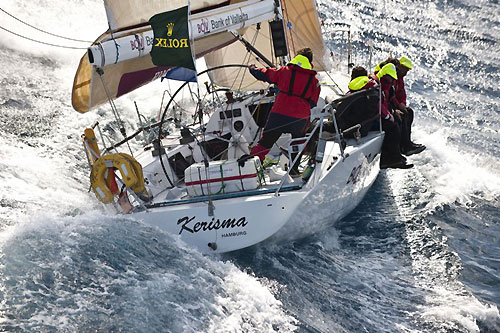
[(298, 89), (399, 87), (385, 84), (361, 83)]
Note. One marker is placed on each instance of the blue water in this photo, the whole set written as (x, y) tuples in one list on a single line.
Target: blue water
[(421, 253)]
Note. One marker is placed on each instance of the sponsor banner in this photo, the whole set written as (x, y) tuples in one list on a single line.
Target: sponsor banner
[(219, 22), (238, 16), (117, 49), (171, 44), (120, 49)]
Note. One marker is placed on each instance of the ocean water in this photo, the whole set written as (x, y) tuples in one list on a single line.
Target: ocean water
[(421, 253)]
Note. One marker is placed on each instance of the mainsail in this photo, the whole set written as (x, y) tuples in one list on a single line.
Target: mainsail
[(120, 60), (303, 29), (123, 14), (128, 20)]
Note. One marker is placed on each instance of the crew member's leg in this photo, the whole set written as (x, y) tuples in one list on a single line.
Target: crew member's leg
[(271, 133), (297, 129), (410, 148), (391, 151), (409, 121), (405, 127)]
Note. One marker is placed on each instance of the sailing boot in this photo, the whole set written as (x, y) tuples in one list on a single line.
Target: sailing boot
[(412, 149), (398, 162)]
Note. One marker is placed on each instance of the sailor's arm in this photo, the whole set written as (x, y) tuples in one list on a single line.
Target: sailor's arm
[(268, 75)]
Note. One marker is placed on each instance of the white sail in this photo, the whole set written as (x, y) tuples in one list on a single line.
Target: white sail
[(135, 43), (128, 22), (303, 30), (129, 13)]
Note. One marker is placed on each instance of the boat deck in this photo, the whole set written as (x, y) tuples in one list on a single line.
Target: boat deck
[(179, 195), (264, 190)]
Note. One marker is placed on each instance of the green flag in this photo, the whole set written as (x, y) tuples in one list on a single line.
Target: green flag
[(171, 46)]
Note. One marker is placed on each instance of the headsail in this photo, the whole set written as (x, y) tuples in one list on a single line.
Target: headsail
[(128, 21), (302, 30)]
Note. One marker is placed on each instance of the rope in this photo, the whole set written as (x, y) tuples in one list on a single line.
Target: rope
[(46, 32), (38, 41), (335, 83)]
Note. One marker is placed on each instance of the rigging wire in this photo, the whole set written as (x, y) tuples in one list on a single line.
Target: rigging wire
[(46, 32), (289, 26), (113, 108), (335, 83), (199, 108), (41, 42), (246, 60), (257, 31)]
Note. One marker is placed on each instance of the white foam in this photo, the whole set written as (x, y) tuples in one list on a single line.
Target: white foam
[(464, 310), (249, 305), (435, 266), (454, 173), (79, 20), (202, 292)]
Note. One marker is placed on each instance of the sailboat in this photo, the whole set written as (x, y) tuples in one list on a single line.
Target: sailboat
[(194, 176)]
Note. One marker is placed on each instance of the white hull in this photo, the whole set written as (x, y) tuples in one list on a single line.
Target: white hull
[(338, 192), (247, 220), (196, 178), (237, 223)]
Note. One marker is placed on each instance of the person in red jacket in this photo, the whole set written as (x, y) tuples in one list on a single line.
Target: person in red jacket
[(298, 92), (391, 152), (408, 147)]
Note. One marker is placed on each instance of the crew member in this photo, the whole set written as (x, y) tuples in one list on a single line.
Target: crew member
[(363, 111), (360, 79), (407, 146), (298, 92), (391, 153)]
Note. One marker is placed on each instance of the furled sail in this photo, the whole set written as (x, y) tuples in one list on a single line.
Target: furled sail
[(130, 31), (302, 30)]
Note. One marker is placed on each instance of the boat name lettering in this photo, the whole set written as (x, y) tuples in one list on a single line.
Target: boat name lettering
[(354, 176), (171, 43), (214, 224)]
